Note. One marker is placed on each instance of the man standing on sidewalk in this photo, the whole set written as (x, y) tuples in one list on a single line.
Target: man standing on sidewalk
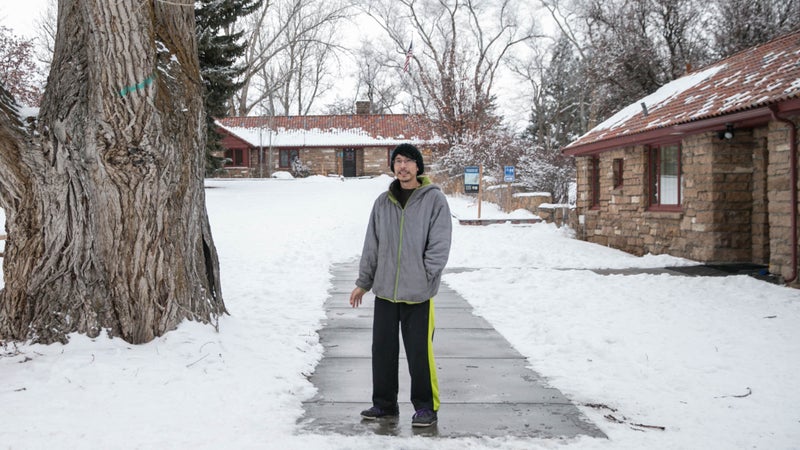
[(405, 250)]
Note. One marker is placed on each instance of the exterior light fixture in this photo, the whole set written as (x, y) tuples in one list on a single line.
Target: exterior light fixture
[(728, 133)]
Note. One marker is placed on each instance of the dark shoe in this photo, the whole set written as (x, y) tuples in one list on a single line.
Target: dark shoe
[(375, 413), (424, 418)]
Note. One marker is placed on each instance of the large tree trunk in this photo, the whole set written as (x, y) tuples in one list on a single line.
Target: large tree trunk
[(105, 209)]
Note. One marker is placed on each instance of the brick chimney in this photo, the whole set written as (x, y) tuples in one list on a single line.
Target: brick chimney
[(363, 106)]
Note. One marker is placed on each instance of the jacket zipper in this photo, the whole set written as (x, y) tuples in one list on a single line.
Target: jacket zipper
[(400, 245), (399, 254)]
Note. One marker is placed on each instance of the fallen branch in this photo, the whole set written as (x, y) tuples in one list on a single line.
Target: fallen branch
[(749, 392), (622, 419), (204, 357), (599, 406)]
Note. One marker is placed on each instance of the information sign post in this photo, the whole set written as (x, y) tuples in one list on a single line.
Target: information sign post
[(508, 174), (473, 176), (508, 177), (472, 180)]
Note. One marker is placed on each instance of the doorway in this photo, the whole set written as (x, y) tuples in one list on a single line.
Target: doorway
[(349, 162)]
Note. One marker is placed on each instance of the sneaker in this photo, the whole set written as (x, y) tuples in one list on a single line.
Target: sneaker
[(378, 413), (424, 418)]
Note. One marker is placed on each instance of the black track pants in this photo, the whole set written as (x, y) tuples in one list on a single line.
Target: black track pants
[(416, 322)]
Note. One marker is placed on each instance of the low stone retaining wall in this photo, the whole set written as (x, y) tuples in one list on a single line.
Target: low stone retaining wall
[(559, 214), (511, 197), (495, 221)]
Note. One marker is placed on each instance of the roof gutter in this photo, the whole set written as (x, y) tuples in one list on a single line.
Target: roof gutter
[(793, 187)]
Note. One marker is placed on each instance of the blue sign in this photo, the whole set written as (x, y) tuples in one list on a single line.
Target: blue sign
[(472, 179), (508, 174)]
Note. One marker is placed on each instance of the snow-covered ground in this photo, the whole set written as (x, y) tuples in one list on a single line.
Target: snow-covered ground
[(713, 360)]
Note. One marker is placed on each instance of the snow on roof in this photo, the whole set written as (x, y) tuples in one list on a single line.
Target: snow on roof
[(328, 131), (283, 137), (757, 77), (657, 99)]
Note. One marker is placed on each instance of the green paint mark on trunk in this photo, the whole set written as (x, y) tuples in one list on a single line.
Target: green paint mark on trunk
[(136, 87)]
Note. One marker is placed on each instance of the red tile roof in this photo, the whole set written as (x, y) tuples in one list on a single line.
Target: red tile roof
[(738, 88)]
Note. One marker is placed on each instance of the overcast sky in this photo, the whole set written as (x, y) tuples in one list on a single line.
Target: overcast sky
[(22, 16)]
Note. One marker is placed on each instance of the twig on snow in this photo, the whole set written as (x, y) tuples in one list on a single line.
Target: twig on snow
[(622, 419), (749, 392), (204, 357)]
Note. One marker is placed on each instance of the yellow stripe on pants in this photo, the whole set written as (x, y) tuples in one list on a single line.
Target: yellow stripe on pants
[(431, 359)]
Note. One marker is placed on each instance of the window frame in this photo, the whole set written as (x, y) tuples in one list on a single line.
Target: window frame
[(232, 154), (618, 168), (287, 153), (594, 182), (655, 176)]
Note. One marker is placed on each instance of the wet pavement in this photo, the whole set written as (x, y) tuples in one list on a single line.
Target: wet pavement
[(758, 271), (486, 387)]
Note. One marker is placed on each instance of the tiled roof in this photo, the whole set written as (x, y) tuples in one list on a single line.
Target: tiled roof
[(759, 77), (329, 130)]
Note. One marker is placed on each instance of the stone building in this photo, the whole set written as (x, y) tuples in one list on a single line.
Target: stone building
[(350, 145), (704, 168)]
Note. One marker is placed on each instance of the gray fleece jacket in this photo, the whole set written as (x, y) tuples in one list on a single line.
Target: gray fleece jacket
[(406, 249)]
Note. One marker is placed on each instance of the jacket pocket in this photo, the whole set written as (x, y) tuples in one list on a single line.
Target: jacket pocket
[(413, 282)]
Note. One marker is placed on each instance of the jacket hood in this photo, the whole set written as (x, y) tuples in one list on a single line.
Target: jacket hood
[(425, 185)]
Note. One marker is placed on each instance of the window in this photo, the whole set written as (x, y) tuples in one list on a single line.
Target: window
[(665, 176), (286, 158), (617, 173), (236, 156), (594, 181)]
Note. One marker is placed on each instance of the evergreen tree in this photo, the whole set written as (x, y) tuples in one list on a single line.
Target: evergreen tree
[(558, 117), (219, 48)]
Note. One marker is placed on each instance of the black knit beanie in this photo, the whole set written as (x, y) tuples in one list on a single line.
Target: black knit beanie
[(410, 152)]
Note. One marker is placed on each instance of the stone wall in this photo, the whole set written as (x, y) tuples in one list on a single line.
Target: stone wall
[(760, 211), (376, 161), (612, 223), (511, 197), (557, 214), (715, 221), (234, 172), (736, 201), (719, 196), (779, 198), (370, 161), (322, 161)]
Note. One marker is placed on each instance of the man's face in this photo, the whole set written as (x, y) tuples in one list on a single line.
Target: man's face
[(405, 169)]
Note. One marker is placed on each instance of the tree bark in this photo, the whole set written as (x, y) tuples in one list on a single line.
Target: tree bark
[(105, 208)]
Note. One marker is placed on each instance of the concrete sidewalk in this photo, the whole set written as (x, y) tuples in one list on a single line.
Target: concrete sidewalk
[(486, 388)]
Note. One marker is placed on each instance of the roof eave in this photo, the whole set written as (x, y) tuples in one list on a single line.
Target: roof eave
[(747, 118)]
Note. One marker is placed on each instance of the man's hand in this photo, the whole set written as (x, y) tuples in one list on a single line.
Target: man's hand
[(356, 296)]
